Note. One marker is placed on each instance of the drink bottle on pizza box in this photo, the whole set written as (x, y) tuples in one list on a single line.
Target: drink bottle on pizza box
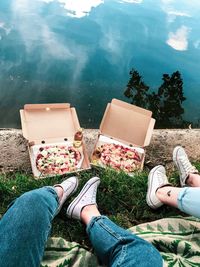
[(50, 131), (125, 131)]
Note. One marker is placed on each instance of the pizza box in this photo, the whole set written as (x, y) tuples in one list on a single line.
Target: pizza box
[(127, 125), (50, 125)]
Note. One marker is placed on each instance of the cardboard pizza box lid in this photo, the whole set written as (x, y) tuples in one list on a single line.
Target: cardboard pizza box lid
[(127, 123), (48, 121)]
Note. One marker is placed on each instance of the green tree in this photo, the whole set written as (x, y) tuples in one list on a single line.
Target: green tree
[(166, 103)]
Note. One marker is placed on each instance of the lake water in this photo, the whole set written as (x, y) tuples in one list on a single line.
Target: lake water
[(81, 52)]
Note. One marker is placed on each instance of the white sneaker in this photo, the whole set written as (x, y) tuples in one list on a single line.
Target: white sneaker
[(69, 186), (183, 164), (86, 197), (157, 178)]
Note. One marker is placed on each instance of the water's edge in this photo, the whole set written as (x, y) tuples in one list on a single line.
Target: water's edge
[(14, 152)]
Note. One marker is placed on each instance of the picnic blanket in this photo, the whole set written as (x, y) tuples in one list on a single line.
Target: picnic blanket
[(177, 239)]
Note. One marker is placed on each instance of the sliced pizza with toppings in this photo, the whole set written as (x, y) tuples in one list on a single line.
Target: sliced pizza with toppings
[(118, 157), (57, 159)]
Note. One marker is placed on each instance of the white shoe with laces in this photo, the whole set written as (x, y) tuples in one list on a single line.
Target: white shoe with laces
[(157, 178), (86, 197), (183, 164), (69, 186)]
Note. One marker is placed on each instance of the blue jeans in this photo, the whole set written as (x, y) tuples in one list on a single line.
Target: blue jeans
[(189, 201), (115, 246), (26, 225)]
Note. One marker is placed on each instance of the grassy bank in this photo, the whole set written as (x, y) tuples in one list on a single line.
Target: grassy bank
[(120, 197)]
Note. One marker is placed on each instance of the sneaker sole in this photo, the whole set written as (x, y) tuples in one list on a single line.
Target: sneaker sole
[(150, 182), (75, 202)]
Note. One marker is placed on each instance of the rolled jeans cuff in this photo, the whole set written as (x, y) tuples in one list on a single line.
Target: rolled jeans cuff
[(53, 191), (180, 199), (92, 222), (189, 201)]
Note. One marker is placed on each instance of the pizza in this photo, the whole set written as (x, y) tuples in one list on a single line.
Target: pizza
[(57, 159), (117, 157)]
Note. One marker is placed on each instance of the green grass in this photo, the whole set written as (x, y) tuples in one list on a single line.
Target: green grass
[(120, 197)]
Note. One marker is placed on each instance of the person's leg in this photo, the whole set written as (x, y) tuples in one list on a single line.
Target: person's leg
[(160, 192), (186, 199), (116, 246), (25, 226), (169, 195), (113, 245)]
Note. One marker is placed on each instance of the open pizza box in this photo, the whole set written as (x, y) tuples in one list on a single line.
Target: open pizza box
[(127, 125), (51, 125)]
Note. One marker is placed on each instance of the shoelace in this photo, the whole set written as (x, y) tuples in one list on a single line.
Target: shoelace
[(93, 198), (187, 166), (69, 185)]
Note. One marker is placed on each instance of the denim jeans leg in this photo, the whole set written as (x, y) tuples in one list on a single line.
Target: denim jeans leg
[(118, 247), (189, 201), (25, 227)]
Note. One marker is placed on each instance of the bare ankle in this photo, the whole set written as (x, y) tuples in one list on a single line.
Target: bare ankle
[(59, 191), (168, 195), (163, 190), (88, 212), (193, 180)]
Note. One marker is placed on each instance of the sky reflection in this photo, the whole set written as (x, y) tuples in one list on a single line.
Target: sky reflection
[(81, 51)]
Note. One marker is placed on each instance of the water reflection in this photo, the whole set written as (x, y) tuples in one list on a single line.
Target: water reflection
[(81, 52)]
